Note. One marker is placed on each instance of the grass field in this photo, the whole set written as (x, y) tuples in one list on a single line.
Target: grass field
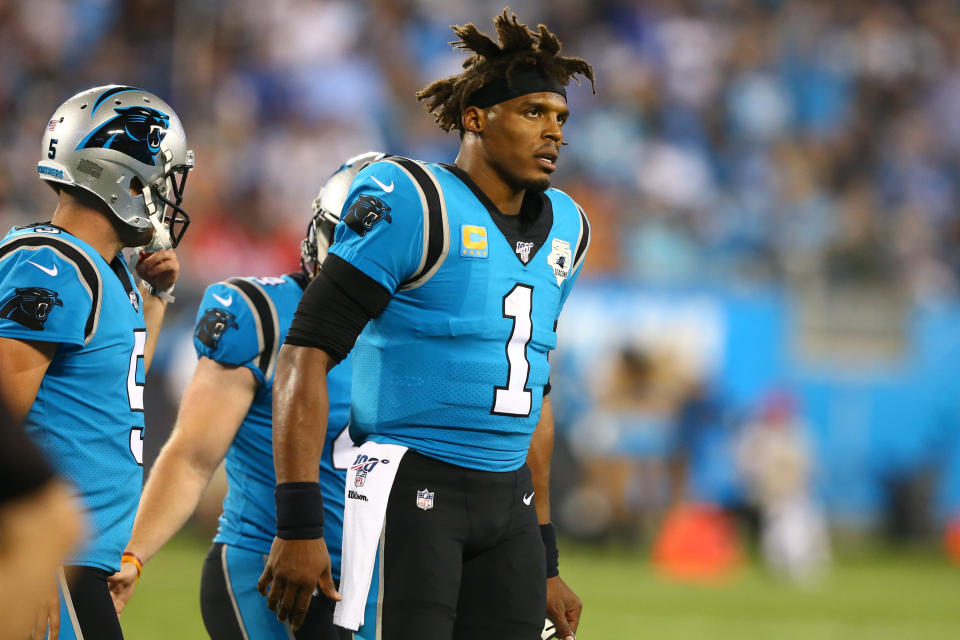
[(874, 595)]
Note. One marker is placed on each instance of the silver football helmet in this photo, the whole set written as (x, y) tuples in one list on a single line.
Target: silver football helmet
[(127, 147), (327, 207)]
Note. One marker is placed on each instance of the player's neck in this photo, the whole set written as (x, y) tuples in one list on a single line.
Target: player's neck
[(506, 198), (89, 225)]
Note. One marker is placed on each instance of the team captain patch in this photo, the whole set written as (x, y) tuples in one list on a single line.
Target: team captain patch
[(559, 259), (473, 241)]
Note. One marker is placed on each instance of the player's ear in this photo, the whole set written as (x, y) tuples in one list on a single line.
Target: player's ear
[(474, 119)]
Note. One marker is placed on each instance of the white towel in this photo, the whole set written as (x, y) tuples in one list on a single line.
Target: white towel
[(369, 479)]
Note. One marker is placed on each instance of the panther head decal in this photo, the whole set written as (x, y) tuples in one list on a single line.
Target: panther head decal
[(212, 325), (30, 306), (366, 212), (136, 131)]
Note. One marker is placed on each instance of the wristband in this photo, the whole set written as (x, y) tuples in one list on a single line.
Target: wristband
[(549, 537), (299, 510), (130, 556), (163, 295)]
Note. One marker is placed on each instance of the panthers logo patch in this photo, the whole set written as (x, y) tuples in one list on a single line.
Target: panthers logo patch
[(366, 212), (136, 131), (212, 325), (30, 306)]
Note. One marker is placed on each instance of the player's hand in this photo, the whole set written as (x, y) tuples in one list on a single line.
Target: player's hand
[(48, 614), (122, 584), (160, 268), (295, 568), (563, 607)]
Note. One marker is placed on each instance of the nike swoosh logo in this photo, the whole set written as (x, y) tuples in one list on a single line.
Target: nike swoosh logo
[(387, 188), (224, 301), (527, 499), (50, 271)]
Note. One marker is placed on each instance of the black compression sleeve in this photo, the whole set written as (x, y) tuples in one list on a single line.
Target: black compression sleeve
[(336, 306), (23, 469)]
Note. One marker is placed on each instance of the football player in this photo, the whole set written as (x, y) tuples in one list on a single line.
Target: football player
[(456, 275), (77, 332), (227, 412)]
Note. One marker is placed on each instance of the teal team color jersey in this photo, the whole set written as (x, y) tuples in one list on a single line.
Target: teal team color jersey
[(243, 322), (456, 364), (88, 412)]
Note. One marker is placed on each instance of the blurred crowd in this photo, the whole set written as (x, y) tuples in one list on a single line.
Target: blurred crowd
[(729, 140), (792, 143)]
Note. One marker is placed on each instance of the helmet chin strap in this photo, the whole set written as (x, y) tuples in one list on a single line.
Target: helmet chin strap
[(161, 235)]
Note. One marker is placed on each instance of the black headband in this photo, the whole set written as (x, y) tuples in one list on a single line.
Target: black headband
[(522, 81)]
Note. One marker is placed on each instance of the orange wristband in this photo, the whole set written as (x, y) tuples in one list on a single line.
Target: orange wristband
[(129, 556)]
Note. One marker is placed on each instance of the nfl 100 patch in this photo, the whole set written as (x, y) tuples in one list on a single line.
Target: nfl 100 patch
[(523, 250), (363, 466)]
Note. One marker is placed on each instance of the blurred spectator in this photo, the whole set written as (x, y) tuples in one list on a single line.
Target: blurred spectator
[(623, 443), (777, 464)]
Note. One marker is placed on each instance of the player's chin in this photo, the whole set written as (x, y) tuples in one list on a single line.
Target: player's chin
[(537, 182), (131, 237)]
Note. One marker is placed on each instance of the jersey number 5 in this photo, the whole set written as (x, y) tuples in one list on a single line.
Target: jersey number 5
[(135, 392), (515, 399)]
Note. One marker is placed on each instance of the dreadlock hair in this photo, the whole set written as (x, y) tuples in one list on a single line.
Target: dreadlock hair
[(519, 47)]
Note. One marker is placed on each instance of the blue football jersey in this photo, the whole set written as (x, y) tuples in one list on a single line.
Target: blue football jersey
[(243, 322), (455, 366), (88, 413)]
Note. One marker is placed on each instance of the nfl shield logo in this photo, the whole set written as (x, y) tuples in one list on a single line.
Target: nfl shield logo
[(425, 499), (360, 478)]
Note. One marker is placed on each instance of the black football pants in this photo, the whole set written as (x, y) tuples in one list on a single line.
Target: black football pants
[(465, 563), (86, 608)]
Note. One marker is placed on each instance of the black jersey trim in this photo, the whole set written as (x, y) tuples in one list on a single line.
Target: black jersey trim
[(436, 232), (123, 274), (265, 316), (533, 223), (84, 264), (583, 241)]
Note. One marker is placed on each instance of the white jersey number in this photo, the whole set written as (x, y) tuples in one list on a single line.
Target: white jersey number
[(516, 399), (136, 444), (135, 392), (134, 388)]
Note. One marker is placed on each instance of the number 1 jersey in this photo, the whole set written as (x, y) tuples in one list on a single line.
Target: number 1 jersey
[(456, 364)]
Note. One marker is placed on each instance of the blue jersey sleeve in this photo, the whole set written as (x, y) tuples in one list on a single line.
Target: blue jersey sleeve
[(226, 329), (381, 230), (43, 296)]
